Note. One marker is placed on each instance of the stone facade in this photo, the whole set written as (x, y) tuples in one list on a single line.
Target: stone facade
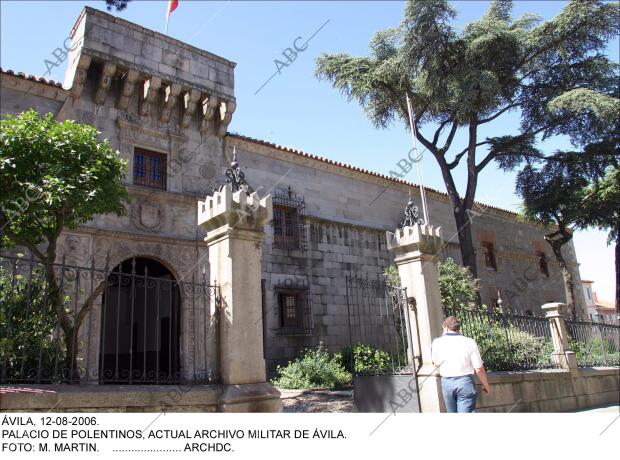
[(144, 90)]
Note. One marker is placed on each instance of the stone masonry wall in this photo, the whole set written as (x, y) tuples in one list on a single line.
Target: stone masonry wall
[(142, 89)]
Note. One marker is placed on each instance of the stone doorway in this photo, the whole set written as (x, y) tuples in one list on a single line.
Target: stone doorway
[(140, 325)]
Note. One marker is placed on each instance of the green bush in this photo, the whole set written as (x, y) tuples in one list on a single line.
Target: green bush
[(365, 359), (316, 368), (505, 347), (595, 352), (392, 278), (29, 347), (457, 286)]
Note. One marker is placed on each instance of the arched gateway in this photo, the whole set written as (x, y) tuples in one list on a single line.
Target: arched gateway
[(140, 324)]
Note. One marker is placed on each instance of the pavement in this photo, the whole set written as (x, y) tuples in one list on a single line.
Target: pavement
[(609, 408)]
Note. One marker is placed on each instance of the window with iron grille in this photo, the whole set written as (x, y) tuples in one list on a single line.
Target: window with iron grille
[(294, 311), (288, 224), (542, 263), (489, 255), (149, 169), (285, 227)]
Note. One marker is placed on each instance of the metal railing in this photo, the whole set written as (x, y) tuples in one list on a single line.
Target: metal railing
[(380, 339), (121, 325), (594, 344), (508, 342)]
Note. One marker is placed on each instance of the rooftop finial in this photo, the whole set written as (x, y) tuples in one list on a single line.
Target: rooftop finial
[(411, 214), (234, 176)]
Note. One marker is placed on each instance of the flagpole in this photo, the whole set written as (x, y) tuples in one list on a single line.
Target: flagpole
[(417, 160)]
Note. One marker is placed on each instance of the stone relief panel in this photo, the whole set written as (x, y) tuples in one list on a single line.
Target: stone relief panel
[(208, 170), (148, 215), (75, 249)]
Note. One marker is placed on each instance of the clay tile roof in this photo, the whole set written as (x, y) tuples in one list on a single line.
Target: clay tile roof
[(23, 76), (353, 168)]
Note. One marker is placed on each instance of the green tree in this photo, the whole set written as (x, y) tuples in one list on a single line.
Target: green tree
[(462, 80), (553, 195), (29, 346), (457, 286), (55, 176), (119, 5), (601, 209)]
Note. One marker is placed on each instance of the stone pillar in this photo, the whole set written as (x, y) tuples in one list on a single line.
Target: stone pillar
[(562, 355), (415, 251), (235, 231)]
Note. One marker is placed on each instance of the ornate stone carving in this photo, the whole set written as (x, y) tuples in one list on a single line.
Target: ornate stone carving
[(129, 84), (75, 250), (80, 75), (227, 108), (149, 94), (131, 133), (172, 92), (207, 170), (209, 104), (73, 241), (190, 99), (104, 83), (148, 215)]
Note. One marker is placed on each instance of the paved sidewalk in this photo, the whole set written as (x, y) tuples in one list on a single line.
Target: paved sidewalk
[(610, 408)]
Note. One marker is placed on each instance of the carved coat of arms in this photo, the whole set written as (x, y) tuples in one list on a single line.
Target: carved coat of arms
[(148, 215)]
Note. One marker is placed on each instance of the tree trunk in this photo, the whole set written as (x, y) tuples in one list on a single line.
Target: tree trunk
[(72, 373), (69, 330), (468, 253), (569, 287), (618, 274)]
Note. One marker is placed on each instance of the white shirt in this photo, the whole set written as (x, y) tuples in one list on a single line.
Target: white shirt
[(455, 355)]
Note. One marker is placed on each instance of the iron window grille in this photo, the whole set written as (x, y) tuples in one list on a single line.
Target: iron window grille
[(288, 220), (294, 311), (489, 255), (149, 169), (542, 263)]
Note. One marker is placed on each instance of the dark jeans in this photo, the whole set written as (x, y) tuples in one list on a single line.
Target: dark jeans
[(459, 393)]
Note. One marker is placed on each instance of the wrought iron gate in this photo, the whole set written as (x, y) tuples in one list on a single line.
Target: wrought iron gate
[(139, 325), (381, 353)]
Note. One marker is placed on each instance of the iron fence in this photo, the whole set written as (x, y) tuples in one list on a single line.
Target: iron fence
[(71, 324), (379, 329), (594, 344), (508, 341)]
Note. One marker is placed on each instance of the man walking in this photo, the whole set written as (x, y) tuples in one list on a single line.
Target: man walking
[(458, 358)]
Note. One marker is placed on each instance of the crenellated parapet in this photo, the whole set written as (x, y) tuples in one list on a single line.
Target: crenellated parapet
[(230, 210), (166, 82), (415, 239)]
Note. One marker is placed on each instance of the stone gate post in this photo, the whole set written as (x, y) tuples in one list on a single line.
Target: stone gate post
[(234, 222), (562, 354), (415, 251)]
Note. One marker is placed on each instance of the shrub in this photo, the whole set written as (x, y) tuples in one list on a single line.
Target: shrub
[(316, 368), (457, 286), (595, 352), (365, 359), (392, 278), (506, 347), (29, 347)]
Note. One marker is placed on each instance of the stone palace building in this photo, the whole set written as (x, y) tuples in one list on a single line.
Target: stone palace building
[(166, 106)]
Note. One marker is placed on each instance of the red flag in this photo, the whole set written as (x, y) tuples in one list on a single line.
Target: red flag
[(172, 5)]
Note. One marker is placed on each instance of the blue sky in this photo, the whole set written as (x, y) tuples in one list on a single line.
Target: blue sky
[(294, 108)]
